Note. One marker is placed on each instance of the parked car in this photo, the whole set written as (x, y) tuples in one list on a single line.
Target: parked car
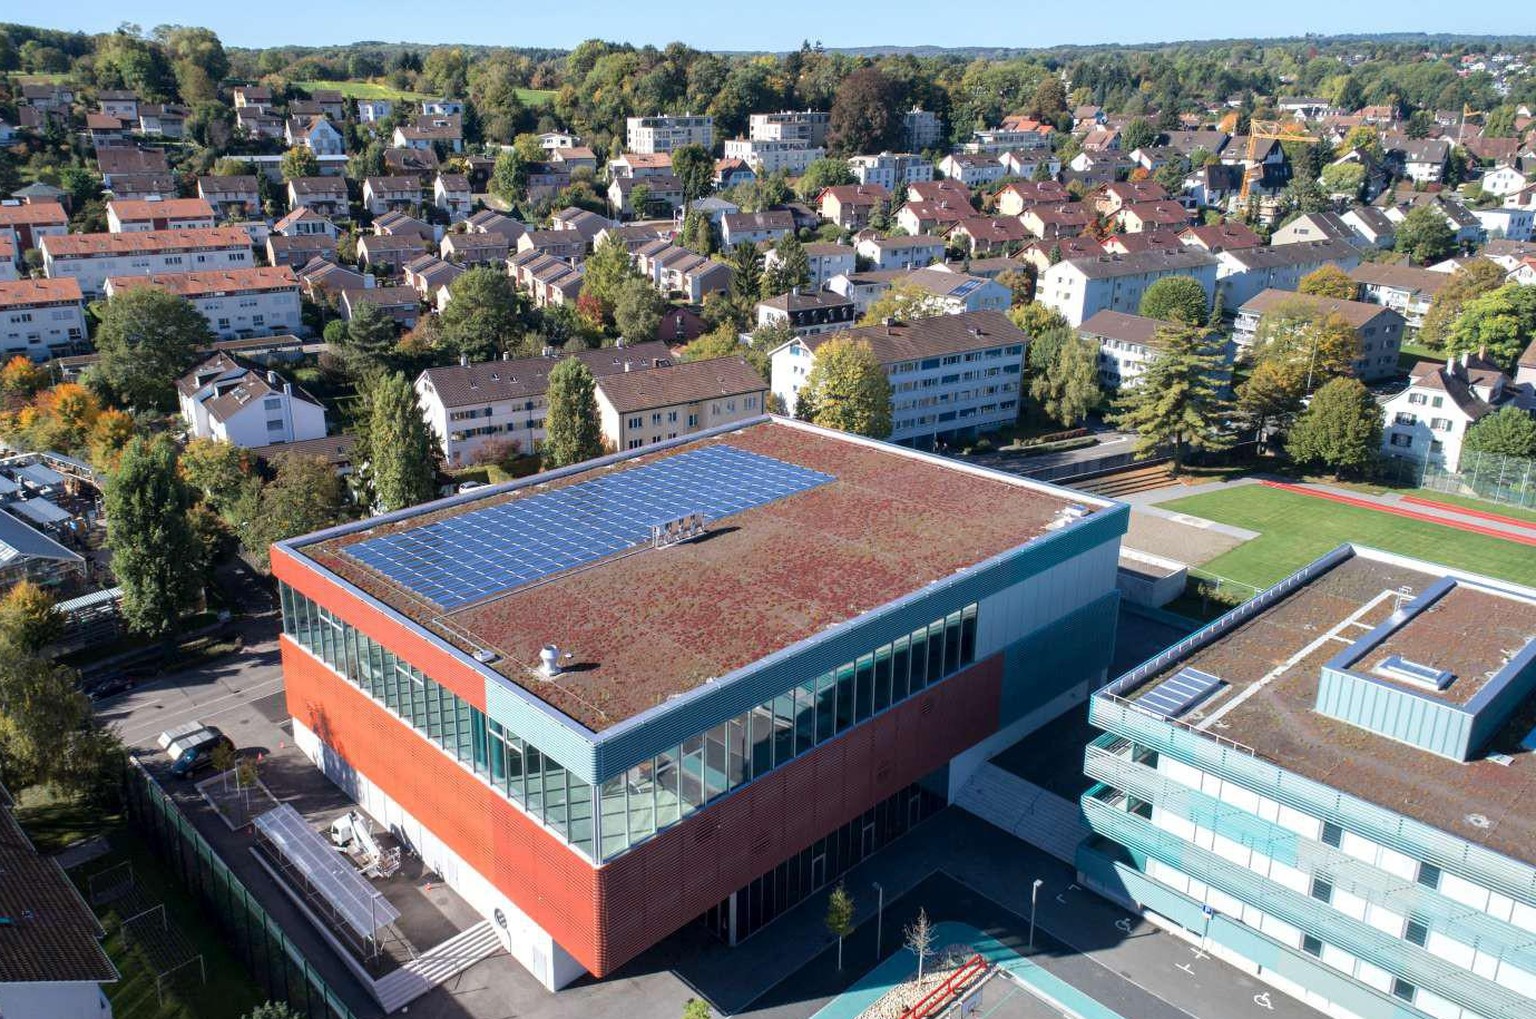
[(200, 755)]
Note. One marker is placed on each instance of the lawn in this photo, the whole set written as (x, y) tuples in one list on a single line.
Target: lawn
[(536, 96), (362, 90), (1296, 529)]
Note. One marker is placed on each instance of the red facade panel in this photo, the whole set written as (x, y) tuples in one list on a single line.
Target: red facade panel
[(605, 916)]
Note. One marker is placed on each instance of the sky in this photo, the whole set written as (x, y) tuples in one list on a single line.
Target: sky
[(777, 25)]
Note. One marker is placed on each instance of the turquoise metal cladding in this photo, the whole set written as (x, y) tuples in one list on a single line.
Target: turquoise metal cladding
[(1058, 656), (1395, 831), (640, 738), (1251, 944), (1395, 712), (1360, 939)]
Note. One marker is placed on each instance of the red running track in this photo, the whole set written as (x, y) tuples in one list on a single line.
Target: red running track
[(1398, 511), (1524, 525)]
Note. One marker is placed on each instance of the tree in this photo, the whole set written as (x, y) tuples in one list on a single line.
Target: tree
[(1036, 318), (1328, 281), (108, 437), (747, 263), (1477, 277), (866, 114), (509, 177), (146, 340), (1178, 403), (699, 233), (791, 267), (1138, 134), (1340, 428), (41, 709), (1343, 179), (272, 1010), (1500, 323), (839, 919), (640, 200), (214, 467), (822, 174), (1176, 299), (401, 454), (1270, 397), (1311, 342), (694, 169), (1069, 387), (1424, 235), (571, 430), (482, 319), (22, 377), (847, 389), (1304, 194), (638, 311), (1510, 431), (28, 622), (299, 161), (919, 937), (605, 273), (694, 1008), (903, 302), (370, 338), (151, 541)]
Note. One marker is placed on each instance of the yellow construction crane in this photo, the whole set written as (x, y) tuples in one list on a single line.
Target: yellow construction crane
[(1266, 130)]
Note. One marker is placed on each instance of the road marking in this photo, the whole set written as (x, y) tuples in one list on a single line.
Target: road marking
[(165, 719), (1123, 924), (1199, 953), (1262, 1000), (1186, 967)]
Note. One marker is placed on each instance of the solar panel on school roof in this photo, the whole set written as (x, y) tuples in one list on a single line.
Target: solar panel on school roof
[(484, 552), (1180, 692)]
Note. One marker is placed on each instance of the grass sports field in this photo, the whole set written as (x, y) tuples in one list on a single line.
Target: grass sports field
[(370, 90), (1296, 529)]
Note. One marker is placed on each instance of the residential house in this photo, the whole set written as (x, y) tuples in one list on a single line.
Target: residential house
[(325, 195), (158, 214), (1506, 180), (1220, 237), (125, 159), (1102, 139), (1428, 420), (807, 313), (316, 134), (324, 281), (1186, 143), (330, 101), (1016, 133), (731, 172), (1407, 290), (471, 249), (639, 408), (26, 224), (755, 227), (451, 194), (118, 103), (971, 170), (548, 281), (1050, 222), (826, 260), (1152, 158), (569, 245), (442, 107), (946, 291), (1214, 186), (422, 164), (398, 223), (1127, 344), (389, 252), (258, 125), (663, 133), (891, 170), (302, 222), (400, 303), (713, 207), (297, 250), (237, 303), (1379, 330), (469, 406), (252, 97), (1112, 198), (664, 195), (1141, 217), (1371, 226), (584, 221), (1080, 287), (163, 120), (768, 157), (1420, 159), (1016, 196), (371, 111), (1247, 271), (91, 259), (1028, 163), (921, 130), (226, 399), (951, 377), (577, 157), (106, 130), (1313, 226), (430, 131), (939, 190), (1509, 221), (850, 206), (641, 164), (490, 221), (386, 194), (546, 180), (676, 271), (232, 198), (635, 236), (1147, 240), (933, 217), (430, 276), (41, 319), (902, 252), (983, 236), (1045, 253)]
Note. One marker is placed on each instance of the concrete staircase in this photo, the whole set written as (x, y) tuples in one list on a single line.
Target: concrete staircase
[(403, 986), (1024, 810)]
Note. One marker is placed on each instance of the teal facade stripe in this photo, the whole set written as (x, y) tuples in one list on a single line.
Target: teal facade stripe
[(1126, 882), (642, 737), (1046, 663), (1404, 715)]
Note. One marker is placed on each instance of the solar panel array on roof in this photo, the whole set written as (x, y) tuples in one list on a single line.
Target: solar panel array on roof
[(479, 553), (1179, 692), (327, 872), (966, 288)]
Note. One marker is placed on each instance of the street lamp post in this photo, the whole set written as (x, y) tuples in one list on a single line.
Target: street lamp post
[(879, 918), (1034, 895)]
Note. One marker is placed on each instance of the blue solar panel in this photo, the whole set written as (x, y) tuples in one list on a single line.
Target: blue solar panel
[(484, 552), (1180, 692)]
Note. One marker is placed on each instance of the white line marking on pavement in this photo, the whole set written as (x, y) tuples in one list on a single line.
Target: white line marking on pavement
[(142, 728)]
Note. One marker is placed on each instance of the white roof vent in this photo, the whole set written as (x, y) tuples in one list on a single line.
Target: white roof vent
[(549, 661)]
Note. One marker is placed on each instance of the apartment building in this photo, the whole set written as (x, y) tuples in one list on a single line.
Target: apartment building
[(1081, 287), (92, 259), (1127, 344), (469, 406), (641, 408), (891, 170), (1379, 329), (922, 130), (947, 292), (808, 126), (1325, 788), (768, 156), (1245, 272), (807, 313), (1406, 289), (232, 197), (238, 303), (902, 252), (663, 133), (27, 223), (952, 376), (41, 319), (158, 214), (225, 398)]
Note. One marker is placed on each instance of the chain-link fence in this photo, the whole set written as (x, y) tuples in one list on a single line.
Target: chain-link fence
[(1507, 480)]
